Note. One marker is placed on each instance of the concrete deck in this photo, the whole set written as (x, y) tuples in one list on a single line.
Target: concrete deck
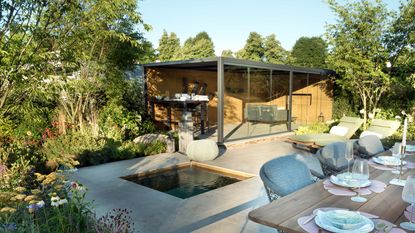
[(221, 210)]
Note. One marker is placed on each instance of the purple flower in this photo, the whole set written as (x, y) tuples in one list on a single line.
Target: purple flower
[(9, 226)]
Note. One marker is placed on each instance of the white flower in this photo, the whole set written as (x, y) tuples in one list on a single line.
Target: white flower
[(54, 199), (40, 204), (56, 204), (398, 117), (403, 112), (62, 201), (362, 110)]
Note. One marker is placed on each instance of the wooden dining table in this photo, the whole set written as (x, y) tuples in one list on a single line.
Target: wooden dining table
[(283, 213)]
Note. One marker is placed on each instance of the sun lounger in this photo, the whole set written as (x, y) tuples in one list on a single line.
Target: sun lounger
[(341, 132), (381, 128)]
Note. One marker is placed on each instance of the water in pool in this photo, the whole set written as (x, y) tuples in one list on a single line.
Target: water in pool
[(184, 182)]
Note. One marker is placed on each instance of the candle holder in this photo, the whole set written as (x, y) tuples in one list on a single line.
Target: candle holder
[(399, 181)]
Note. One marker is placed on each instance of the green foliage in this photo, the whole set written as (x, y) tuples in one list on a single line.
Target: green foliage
[(343, 105), (309, 52), (358, 54), (153, 148), (199, 47), (51, 204), (83, 149), (227, 53), (253, 49), (401, 43), (169, 47), (397, 136), (273, 51), (314, 128)]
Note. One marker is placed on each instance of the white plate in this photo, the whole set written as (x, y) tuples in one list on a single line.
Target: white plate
[(388, 160), (327, 220), (341, 180), (410, 148)]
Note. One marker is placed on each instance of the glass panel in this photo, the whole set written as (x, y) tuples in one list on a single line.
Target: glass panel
[(235, 96), (280, 91), (258, 112), (301, 100)]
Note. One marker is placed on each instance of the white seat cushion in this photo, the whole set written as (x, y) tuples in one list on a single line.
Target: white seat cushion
[(339, 130), (366, 133)]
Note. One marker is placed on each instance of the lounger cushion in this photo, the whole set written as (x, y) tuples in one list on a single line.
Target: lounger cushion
[(339, 130), (351, 123), (318, 139), (382, 128), (366, 133)]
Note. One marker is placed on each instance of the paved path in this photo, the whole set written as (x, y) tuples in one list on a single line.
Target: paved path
[(221, 210)]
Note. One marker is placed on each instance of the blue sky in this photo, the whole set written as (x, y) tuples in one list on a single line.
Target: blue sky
[(228, 22)]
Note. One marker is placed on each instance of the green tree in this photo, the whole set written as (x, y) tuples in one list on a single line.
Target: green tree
[(227, 53), (68, 55), (253, 49), (26, 28), (401, 43), (198, 47), (273, 51), (358, 53), (169, 46), (95, 53), (309, 52)]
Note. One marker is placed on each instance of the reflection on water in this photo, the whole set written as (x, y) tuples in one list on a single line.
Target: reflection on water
[(185, 182)]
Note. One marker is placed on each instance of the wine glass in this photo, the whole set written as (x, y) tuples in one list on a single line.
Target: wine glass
[(360, 173), (397, 153), (349, 154), (408, 195)]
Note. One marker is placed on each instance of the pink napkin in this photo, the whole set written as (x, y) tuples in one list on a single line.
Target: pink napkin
[(311, 226), (376, 186)]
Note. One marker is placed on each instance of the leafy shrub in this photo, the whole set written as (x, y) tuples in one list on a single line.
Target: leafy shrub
[(83, 149), (6, 126), (120, 124), (155, 148), (387, 114), (67, 149), (314, 128), (397, 136), (343, 106)]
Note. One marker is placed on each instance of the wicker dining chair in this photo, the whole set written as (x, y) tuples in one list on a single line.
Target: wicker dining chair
[(332, 158), (284, 175)]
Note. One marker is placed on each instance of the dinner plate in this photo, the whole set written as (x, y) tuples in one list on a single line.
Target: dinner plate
[(388, 160), (342, 221), (347, 180), (410, 148)]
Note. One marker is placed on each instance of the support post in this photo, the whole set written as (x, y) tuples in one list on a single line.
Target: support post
[(221, 88)]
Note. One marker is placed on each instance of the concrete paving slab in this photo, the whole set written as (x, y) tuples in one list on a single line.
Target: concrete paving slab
[(221, 210)]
